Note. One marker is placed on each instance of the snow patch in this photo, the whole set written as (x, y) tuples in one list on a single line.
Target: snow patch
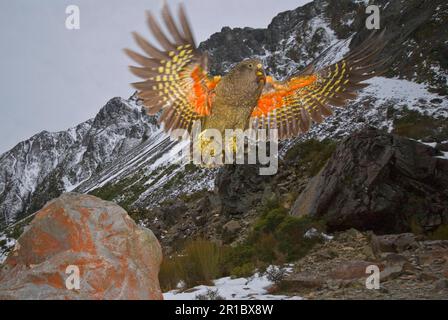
[(431, 144), (443, 156), (406, 94), (6, 244), (253, 288), (314, 233), (364, 2)]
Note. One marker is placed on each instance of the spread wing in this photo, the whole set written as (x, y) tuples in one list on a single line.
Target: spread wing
[(174, 79), (291, 106)]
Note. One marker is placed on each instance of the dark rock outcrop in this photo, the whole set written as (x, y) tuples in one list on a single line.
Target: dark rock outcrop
[(380, 182), (240, 188)]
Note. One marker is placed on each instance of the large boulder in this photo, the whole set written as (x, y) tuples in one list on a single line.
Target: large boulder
[(116, 258), (381, 182)]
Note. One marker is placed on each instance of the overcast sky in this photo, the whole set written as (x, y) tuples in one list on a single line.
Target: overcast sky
[(52, 78)]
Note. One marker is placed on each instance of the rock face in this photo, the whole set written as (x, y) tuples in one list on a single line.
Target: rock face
[(296, 37), (116, 258), (380, 182), (239, 188), (339, 268)]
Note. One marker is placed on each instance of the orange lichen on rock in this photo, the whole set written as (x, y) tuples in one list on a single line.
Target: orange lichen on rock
[(116, 258), (54, 280)]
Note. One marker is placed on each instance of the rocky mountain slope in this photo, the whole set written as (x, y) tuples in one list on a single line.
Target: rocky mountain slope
[(297, 37), (122, 155), (410, 268), (41, 168), (376, 181)]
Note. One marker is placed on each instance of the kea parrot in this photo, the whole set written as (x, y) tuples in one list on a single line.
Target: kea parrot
[(176, 83)]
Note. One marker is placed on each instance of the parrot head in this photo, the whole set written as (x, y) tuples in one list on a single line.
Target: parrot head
[(247, 80), (252, 71)]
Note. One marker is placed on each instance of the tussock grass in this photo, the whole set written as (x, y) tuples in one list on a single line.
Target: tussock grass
[(198, 263), (276, 238)]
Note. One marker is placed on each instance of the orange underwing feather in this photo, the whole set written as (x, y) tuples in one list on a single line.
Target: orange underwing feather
[(275, 99), (293, 105), (174, 80)]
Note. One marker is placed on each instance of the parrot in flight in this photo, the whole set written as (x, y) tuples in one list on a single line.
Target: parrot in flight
[(176, 83)]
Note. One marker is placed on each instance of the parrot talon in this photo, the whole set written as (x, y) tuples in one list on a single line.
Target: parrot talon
[(204, 144), (232, 145)]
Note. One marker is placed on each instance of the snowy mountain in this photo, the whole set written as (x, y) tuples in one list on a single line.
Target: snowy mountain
[(123, 155), (38, 169)]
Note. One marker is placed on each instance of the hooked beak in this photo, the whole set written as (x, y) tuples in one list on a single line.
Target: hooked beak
[(261, 76)]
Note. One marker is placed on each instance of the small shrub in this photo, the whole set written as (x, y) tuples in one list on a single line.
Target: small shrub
[(311, 154), (139, 214), (243, 271), (198, 264), (236, 256), (270, 220), (418, 126), (16, 231), (127, 191), (201, 262), (275, 274), (276, 238), (415, 226), (266, 248), (169, 274), (279, 236), (441, 233), (210, 294), (290, 236)]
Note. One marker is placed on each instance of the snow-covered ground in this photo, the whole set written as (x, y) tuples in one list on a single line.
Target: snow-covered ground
[(5, 246), (404, 93), (372, 106), (253, 288)]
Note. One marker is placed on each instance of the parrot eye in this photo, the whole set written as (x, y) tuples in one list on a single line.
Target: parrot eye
[(250, 65)]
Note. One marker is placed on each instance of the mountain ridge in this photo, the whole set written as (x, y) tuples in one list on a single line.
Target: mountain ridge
[(123, 155)]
